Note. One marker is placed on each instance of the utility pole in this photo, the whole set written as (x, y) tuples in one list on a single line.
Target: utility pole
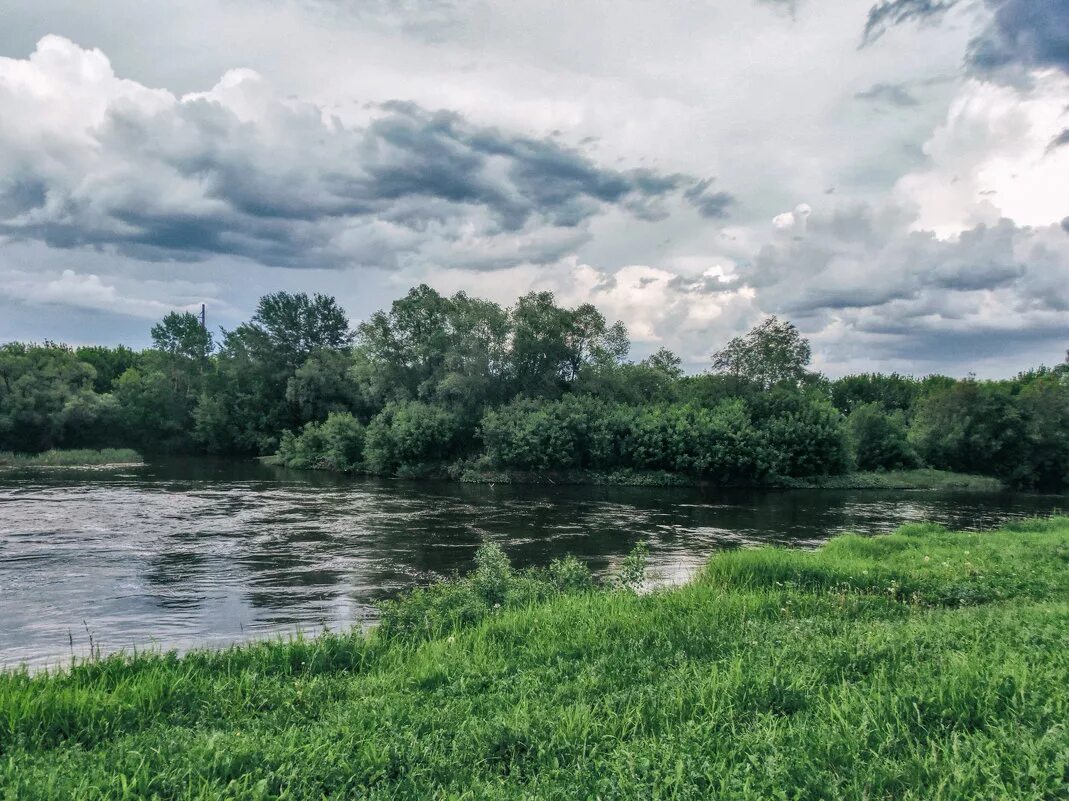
[(202, 321)]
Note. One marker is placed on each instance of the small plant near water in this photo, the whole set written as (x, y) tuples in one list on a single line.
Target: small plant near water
[(495, 586)]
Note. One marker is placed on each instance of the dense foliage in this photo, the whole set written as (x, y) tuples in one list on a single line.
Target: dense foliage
[(919, 665), (438, 383)]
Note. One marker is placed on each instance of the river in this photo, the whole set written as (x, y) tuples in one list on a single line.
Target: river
[(194, 552)]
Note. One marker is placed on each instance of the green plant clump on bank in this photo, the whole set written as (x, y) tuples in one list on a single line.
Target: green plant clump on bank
[(921, 478), (921, 665), (71, 458)]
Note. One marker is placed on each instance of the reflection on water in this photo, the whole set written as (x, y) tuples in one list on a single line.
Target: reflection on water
[(189, 552)]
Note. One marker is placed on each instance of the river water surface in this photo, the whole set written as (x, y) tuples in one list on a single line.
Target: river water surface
[(184, 553)]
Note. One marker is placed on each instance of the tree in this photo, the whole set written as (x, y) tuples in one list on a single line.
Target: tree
[(154, 413), (181, 336), (551, 345), (37, 383), (430, 347), (666, 362), (892, 391), (245, 407), (324, 384), (1044, 405), (771, 353), (589, 340), (539, 345), (109, 363), (289, 327)]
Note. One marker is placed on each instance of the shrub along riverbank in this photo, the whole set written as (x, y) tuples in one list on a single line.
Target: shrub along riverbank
[(920, 665)]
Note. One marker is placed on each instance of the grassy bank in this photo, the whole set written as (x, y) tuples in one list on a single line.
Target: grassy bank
[(919, 479), (921, 665), (71, 458), (630, 478), (924, 479)]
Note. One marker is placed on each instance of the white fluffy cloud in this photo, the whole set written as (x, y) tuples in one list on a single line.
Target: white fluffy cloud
[(993, 157)]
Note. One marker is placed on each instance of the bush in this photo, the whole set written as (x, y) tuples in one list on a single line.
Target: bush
[(802, 433), (544, 435), (304, 450), (410, 433), (335, 444), (972, 427), (879, 439), (720, 442), (495, 585)]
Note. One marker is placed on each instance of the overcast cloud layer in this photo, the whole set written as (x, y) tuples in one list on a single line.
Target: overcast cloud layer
[(892, 177)]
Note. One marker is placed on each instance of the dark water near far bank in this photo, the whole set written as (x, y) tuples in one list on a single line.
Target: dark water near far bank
[(182, 553)]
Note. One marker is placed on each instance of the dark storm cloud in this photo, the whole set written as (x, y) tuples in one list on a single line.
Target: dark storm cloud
[(891, 94), (1021, 33), (934, 340), (704, 285), (861, 260), (710, 204), (1065, 225), (889, 13), (1059, 140), (1026, 33), (910, 295), (288, 188)]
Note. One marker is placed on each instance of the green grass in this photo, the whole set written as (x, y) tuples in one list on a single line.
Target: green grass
[(923, 478), (71, 458), (920, 665), (621, 477)]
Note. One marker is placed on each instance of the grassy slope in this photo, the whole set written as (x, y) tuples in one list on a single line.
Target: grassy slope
[(920, 665), (70, 458)]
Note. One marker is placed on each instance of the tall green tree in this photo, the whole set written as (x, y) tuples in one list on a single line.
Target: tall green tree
[(771, 353), (39, 384), (245, 407), (108, 363), (430, 347), (181, 336)]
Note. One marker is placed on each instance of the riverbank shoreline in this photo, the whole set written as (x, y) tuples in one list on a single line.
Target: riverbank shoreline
[(106, 457), (924, 663), (896, 480), (916, 479)]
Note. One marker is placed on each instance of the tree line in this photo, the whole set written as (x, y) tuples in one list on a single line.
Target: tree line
[(439, 382)]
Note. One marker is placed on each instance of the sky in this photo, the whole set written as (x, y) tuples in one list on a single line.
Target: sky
[(892, 177)]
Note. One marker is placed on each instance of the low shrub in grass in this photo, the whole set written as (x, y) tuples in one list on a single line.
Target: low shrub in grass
[(493, 586)]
